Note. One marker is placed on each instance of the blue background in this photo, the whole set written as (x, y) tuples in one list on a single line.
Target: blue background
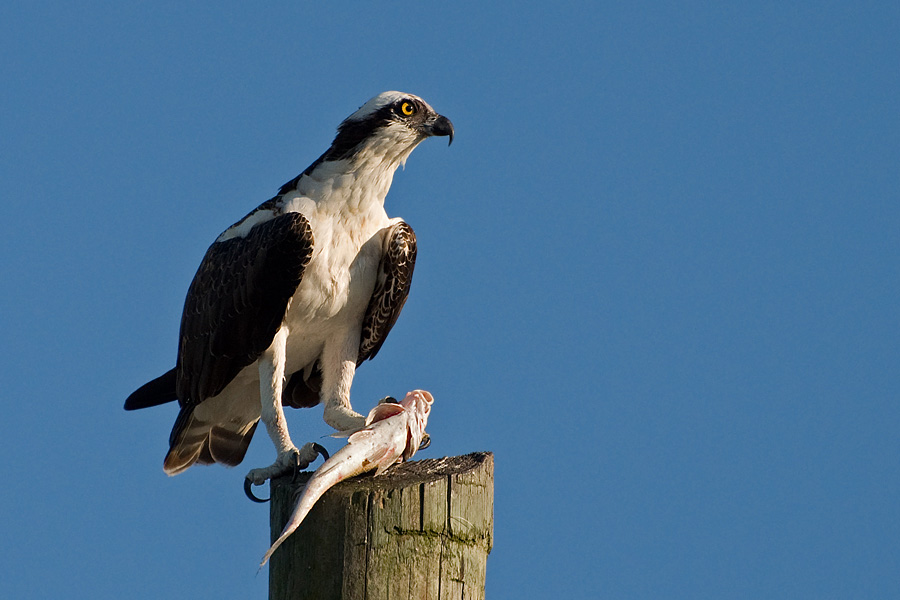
[(658, 277)]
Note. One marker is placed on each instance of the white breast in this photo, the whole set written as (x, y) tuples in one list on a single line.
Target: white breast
[(338, 282)]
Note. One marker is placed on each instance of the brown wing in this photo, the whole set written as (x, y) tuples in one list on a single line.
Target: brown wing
[(233, 310), (391, 289), (237, 302)]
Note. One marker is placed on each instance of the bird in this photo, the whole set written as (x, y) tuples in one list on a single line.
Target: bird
[(290, 300)]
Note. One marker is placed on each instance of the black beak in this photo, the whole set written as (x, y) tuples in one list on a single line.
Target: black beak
[(440, 126)]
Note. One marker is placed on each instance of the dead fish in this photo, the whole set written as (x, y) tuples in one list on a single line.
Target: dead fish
[(392, 434)]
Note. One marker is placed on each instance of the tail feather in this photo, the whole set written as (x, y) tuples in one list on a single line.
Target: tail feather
[(179, 459), (153, 393), (195, 441), (229, 447)]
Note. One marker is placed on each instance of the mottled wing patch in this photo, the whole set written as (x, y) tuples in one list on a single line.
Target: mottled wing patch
[(391, 289)]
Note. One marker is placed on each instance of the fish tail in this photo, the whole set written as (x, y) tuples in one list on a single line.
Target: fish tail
[(315, 489), (326, 477)]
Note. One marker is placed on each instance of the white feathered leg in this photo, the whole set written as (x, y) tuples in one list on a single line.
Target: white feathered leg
[(271, 382), (339, 366)]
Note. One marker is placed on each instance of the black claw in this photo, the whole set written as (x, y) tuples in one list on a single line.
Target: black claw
[(248, 489), (321, 450), (297, 468), (426, 441), (248, 485), (388, 400)]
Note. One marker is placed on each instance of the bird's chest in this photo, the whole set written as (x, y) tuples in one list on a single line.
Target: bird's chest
[(340, 277)]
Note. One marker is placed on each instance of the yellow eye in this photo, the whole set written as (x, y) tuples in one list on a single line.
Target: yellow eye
[(407, 109)]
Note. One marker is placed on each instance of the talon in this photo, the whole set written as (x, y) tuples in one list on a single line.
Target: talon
[(281, 467), (321, 450), (248, 489), (426, 441), (297, 468), (388, 400)]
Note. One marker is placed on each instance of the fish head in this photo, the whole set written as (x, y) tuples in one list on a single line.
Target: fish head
[(418, 404)]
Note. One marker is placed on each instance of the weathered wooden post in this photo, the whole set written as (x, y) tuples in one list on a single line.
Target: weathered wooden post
[(422, 530)]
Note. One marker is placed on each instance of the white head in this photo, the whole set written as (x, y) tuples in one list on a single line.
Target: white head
[(391, 123)]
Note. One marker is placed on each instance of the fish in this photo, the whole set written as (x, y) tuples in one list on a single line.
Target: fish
[(392, 433)]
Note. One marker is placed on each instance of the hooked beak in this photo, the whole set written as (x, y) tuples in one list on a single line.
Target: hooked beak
[(439, 126)]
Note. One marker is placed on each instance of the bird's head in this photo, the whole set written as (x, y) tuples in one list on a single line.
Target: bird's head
[(389, 125)]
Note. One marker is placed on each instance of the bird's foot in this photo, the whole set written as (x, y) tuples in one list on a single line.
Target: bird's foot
[(291, 461), (342, 418)]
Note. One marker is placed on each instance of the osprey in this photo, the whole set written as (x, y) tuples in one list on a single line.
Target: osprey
[(291, 299)]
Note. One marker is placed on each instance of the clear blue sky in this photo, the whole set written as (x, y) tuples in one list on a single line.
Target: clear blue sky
[(658, 277)]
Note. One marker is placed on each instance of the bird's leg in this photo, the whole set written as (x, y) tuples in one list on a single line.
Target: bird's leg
[(336, 397), (337, 376), (271, 381)]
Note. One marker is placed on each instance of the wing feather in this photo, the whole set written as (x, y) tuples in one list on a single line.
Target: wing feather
[(391, 290), (236, 303), (234, 307)]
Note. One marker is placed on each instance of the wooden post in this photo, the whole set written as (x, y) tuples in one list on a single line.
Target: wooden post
[(421, 530)]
